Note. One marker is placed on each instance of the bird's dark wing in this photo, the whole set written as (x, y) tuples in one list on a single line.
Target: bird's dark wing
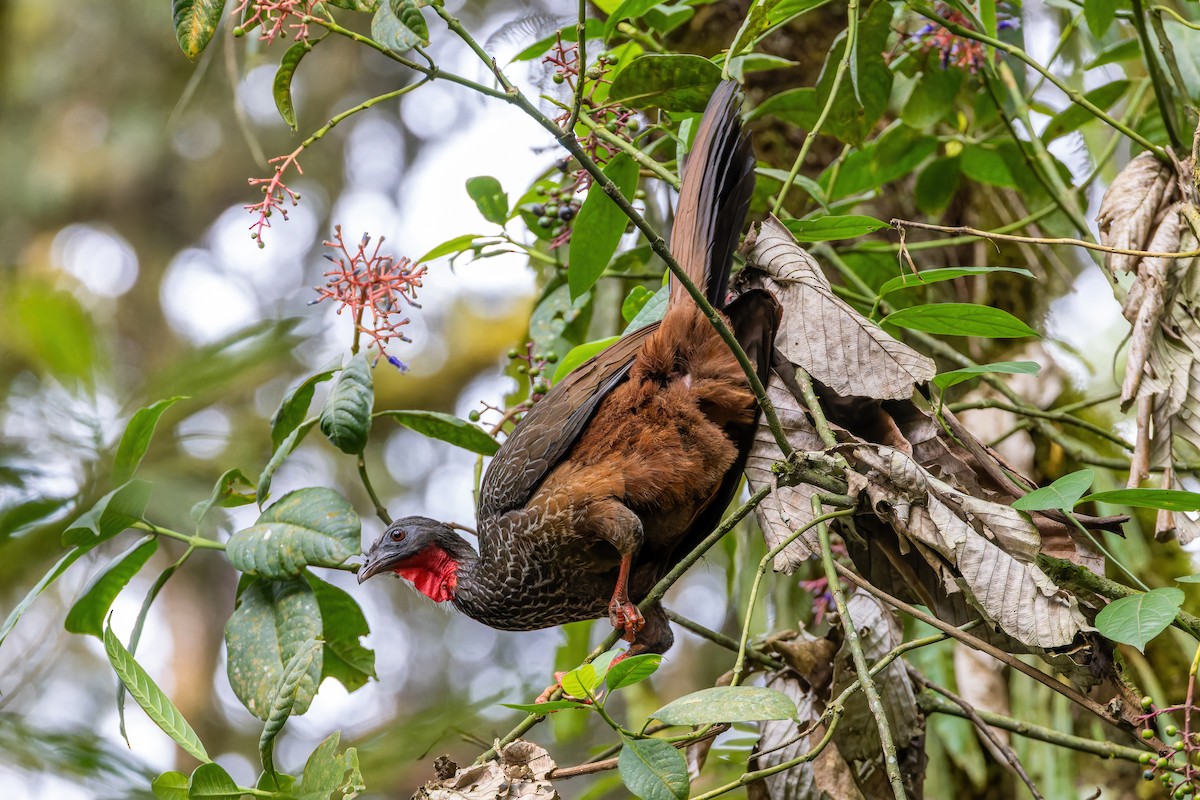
[(543, 437)]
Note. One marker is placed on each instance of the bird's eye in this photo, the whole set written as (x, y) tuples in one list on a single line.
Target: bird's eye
[(397, 536)]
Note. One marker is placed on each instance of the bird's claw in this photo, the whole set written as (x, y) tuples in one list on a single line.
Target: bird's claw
[(626, 618)]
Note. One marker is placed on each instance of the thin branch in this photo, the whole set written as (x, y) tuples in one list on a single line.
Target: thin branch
[(581, 65), (380, 509), (1138, 18), (728, 642), (850, 630), (1004, 237)]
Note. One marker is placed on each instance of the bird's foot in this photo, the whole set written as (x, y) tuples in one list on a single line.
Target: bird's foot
[(544, 697), (626, 618)]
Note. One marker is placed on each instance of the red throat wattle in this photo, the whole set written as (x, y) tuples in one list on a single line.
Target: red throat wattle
[(433, 572)]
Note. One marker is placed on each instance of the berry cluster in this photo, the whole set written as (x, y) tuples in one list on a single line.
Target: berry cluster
[(276, 194), (530, 364), (372, 284), (272, 16), (1180, 777)]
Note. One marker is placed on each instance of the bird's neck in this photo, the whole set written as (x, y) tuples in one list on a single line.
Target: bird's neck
[(436, 573)]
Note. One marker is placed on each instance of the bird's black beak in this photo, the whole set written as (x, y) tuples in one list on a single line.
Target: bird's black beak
[(380, 558)]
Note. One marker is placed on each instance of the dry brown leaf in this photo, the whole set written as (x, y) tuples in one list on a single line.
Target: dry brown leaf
[(1014, 594), (1130, 207), (519, 774), (831, 341)]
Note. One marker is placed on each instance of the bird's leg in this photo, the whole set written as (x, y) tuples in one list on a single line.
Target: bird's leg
[(621, 528)]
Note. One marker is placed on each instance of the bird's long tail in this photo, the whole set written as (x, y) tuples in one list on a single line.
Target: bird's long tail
[(718, 178)]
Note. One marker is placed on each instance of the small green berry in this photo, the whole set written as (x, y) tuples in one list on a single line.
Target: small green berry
[(640, 194), (1147, 734), (1179, 745), (552, 358), (1160, 763), (594, 73), (611, 127), (533, 373), (558, 77), (474, 415), (544, 222), (612, 58), (1144, 758), (522, 369), (1147, 701), (540, 387), (551, 210), (1171, 730), (514, 353)]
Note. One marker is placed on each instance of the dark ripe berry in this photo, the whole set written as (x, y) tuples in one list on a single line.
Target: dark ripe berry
[(538, 210), (1147, 701), (566, 213), (1148, 775), (514, 353), (557, 77), (474, 415), (544, 222), (563, 163)]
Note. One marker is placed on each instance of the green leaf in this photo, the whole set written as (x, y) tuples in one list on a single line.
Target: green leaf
[(653, 769), (327, 772), (804, 182), (170, 786), (671, 82), (50, 577), (1125, 50), (928, 276), (1063, 494), (1099, 15), (294, 406), (1165, 499), (960, 319), (211, 782), (399, 26), (272, 622), (727, 704), (932, 97), (51, 329), (582, 681), (758, 62), (145, 691), (629, 9), (342, 626), (833, 228), (136, 439), (88, 612), (112, 513), (1189, 579), (937, 184), (955, 377), (558, 323), (599, 226), (986, 165), (280, 455), (282, 87), (652, 311), (893, 155), (195, 23), (593, 29), (665, 18), (580, 354), (489, 198), (346, 414), (282, 705), (365, 6), (458, 244), (1074, 116), (232, 489), (631, 670), (634, 301), (446, 428), (542, 709), (987, 15), (1138, 619), (314, 526)]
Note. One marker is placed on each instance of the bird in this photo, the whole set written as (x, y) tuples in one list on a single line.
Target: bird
[(629, 462)]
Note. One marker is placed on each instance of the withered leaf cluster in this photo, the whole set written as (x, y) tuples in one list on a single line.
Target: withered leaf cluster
[(520, 773), (1150, 207)]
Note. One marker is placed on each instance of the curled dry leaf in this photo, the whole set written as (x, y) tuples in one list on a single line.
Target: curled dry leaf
[(1130, 207), (1143, 210), (519, 774)]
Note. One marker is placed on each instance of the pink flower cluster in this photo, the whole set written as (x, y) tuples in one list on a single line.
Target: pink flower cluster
[(272, 18)]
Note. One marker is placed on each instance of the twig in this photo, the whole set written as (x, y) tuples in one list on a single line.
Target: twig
[(891, 763), (380, 509), (728, 642), (1161, 94), (591, 767), (1010, 757), (850, 52), (1004, 237), (1056, 415), (581, 62)]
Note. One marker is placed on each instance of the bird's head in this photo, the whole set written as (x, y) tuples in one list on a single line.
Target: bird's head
[(424, 551)]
